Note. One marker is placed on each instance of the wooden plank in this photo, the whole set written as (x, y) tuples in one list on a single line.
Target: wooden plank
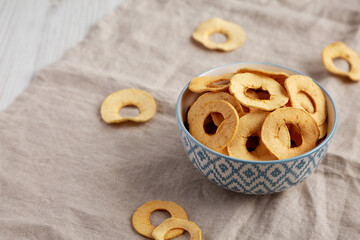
[(21, 23), (35, 33)]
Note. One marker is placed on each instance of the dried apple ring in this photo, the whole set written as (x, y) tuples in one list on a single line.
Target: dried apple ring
[(295, 134), (277, 76), (217, 118), (340, 50), (207, 83), (323, 129), (306, 102), (141, 217), (213, 96), (224, 151), (289, 115), (284, 136), (160, 232), (303, 84), (251, 93), (234, 33), (225, 132), (240, 83), (250, 125), (261, 95), (112, 104)]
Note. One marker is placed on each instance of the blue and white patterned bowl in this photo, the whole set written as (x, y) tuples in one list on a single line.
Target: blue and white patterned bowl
[(244, 176)]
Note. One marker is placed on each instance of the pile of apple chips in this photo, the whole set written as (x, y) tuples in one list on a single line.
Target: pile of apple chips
[(258, 115)]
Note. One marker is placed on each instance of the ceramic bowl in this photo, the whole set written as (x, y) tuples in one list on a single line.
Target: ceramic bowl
[(244, 176)]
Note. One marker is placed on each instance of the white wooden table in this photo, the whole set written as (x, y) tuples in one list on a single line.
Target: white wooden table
[(35, 33)]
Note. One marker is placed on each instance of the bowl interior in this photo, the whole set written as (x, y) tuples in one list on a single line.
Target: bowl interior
[(187, 97)]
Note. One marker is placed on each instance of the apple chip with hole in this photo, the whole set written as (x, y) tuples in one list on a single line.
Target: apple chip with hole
[(340, 50), (241, 83), (210, 83), (280, 118), (141, 217), (249, 126), (305, 94), (234, 33), (159, 233), (280, 77), (224, 133), (113, 103)]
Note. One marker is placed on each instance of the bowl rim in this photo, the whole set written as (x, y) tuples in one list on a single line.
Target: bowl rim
[(321, 145)]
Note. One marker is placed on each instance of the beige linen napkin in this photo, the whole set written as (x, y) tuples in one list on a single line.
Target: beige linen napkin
[(65, 174)]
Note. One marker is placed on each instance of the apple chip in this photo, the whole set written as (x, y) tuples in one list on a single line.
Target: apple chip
[(323, 129), (177, 223), (213, 96), (289, 115), (305, 101), (250, 125), (302, 84), (234, 33), (277, 76), (217, 118), (224, 133), (340, 50), (251, 93), (113, 103), (208, 83), (224, 151), (295, 135), (141, 217), (240, 83)]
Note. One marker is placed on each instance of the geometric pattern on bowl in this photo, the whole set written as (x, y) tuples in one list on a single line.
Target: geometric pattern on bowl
[(251, 178)]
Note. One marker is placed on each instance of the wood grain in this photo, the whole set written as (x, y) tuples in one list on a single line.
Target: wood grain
[(35, 33)]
